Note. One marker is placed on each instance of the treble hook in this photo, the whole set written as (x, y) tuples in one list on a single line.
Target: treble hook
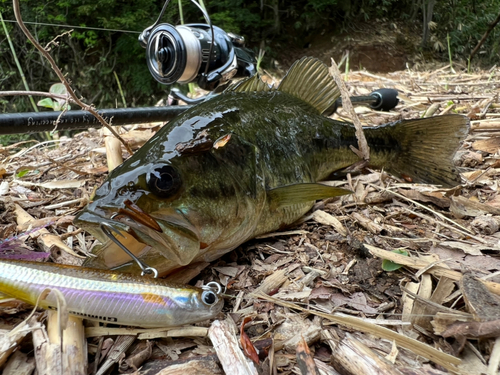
[(107, 229)]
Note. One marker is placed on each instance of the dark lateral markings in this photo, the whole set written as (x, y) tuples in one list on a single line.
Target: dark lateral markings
[(90, 316)]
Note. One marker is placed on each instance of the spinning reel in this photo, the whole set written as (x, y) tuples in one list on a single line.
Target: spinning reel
[(197, 52)]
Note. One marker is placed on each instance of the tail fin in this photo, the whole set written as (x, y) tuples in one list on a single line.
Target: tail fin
[(421, 149)]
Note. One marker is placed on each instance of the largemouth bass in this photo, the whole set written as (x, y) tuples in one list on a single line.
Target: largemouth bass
[(111, 297), (247, 162)]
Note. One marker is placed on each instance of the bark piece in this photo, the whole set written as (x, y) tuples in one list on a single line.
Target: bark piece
[(481, 303), (137, 358), (419, 308), (439, 198), (367, 223), (194, 367), (495, 353), (45, 239), (305, 360), (293, 329), (443, 320), (486, 225), (473, 330), (273, 281), (113, 152), (490, 145), (309, 335), (19, 364), (116, 353), (47, 354), (353, 357), (325, 369), (223, 337), (462, 207), (325, 218)]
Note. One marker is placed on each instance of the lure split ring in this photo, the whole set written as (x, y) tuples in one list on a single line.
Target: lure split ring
[(213, 286)]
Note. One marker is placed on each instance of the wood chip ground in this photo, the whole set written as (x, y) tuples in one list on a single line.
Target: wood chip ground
[(318, 299)]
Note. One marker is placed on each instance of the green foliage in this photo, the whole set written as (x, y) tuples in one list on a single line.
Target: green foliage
[(89, 57), (466, 23), (390, 266), (22, 173), (55, 104), (9, 139)]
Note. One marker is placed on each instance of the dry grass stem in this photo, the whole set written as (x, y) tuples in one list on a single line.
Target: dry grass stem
[(364, 150)]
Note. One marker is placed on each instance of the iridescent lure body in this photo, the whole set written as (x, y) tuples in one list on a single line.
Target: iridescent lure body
[(111, 297)]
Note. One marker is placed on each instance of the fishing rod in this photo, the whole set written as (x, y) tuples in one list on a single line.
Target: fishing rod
[(34, 122), (201, 53)]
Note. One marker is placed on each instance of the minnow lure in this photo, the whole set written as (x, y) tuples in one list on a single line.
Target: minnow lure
[(110, 297)]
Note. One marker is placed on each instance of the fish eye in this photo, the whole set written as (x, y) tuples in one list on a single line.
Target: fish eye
[(208, 297), (164, 181)]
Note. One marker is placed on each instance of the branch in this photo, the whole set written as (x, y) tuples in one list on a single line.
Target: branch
[(364, 150), (37, 93), (55, 68), (490, 28)]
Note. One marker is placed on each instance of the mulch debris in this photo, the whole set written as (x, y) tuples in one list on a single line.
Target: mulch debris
[(317, 298)]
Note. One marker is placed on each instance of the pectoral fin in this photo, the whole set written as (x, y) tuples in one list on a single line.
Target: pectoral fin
[(303, 193)]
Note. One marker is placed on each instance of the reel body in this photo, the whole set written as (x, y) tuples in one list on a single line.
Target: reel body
[(199, 53)]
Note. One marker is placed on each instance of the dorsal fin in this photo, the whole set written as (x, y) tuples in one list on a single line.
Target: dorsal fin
[(309, 80), (251, 84)]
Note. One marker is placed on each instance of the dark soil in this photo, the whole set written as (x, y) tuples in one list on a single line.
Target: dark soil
[(376, 47)]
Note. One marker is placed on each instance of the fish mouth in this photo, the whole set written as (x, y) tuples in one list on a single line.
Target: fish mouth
[(161, 240), (135, 213)]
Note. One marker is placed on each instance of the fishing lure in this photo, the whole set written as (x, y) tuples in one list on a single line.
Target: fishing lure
[(110, 297)]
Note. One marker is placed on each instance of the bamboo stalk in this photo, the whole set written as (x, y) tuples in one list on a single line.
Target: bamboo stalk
[(113, 152), (120, 89), (72, 343)]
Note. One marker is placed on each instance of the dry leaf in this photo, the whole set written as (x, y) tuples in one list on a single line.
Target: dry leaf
[(490, 145), (246, 344)]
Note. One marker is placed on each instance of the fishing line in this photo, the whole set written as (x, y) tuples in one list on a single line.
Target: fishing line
[(76, 27)]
